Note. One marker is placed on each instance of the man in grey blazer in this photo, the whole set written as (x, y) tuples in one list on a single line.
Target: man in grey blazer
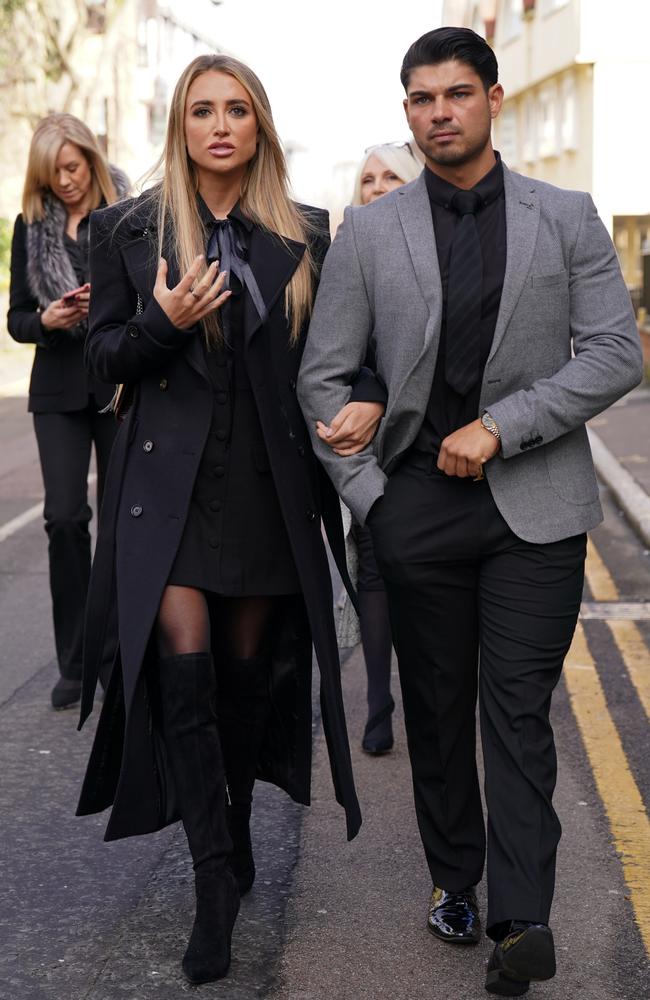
[(501, 324)]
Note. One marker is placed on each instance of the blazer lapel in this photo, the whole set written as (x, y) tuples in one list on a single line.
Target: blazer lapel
[(273, 263), (522, 223), (414, 211)]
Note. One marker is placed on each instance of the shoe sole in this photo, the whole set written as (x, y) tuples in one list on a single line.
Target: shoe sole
[(463, 941), (532, 957), (501, 985)]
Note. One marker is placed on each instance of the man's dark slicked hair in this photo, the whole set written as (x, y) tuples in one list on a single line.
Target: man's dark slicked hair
[(444, 44)]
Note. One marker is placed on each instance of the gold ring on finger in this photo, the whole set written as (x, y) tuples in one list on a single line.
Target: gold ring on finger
[(479, 475)]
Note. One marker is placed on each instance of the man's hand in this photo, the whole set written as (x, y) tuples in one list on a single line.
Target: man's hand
[(466, 450), (352, 429)]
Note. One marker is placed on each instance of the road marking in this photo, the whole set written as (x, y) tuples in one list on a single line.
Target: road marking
[(638, 611), (617, 788), (629, 641), (18, 522)]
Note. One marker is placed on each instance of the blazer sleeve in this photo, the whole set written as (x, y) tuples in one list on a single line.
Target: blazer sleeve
[(24, 316), (607, 359), (336, 348), (122, 345)]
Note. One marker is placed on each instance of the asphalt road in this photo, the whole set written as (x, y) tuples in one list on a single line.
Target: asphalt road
[(83, 919)]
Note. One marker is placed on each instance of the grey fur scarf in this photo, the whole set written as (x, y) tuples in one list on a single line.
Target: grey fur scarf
[(49, 271)]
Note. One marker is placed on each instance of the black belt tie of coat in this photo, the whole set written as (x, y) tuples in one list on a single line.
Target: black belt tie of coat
[(227, 244)]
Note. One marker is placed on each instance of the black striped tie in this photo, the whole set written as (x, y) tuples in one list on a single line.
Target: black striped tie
[(464, 296)]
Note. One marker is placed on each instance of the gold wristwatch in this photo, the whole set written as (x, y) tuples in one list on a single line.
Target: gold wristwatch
[(491, 425)]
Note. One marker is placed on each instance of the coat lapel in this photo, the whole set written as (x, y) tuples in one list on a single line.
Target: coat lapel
[(414, 211), (273, 264), (522, 223)]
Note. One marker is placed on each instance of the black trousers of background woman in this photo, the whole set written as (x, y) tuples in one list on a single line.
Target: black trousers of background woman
[(459, 581), (65, 442)]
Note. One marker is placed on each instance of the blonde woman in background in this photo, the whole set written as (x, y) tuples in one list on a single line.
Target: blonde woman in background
[(67, 177), (382, 169), (202, 290)]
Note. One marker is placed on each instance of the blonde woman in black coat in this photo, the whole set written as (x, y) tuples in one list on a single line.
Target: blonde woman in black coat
[(67, 177), (210, 531)]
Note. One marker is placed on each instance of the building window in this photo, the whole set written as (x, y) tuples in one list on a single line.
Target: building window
[(512, 17), (547, 122), (529, 144), (508, 145), (569, 113)]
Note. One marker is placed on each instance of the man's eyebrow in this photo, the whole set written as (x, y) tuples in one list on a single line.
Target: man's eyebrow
[(449, 90)]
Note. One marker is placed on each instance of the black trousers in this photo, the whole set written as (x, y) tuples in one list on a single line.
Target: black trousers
[(462, 588), (64, 444)]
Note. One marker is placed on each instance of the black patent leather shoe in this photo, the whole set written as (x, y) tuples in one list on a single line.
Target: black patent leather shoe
[(526, 953), (453, 916)]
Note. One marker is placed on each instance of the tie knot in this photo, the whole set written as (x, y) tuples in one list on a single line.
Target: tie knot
[(466, 202)]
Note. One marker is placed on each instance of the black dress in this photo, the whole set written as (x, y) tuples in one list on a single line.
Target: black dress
[(235, 540)]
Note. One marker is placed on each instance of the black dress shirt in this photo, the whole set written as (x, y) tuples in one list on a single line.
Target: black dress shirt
[(447, 410)]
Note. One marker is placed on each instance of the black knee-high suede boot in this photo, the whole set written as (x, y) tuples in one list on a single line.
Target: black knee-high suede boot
[(188, 696), (243, 709)]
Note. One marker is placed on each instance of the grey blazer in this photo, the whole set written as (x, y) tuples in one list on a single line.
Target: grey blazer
[(565, 347)]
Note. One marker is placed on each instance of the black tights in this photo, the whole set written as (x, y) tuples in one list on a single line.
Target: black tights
[(187, 619)]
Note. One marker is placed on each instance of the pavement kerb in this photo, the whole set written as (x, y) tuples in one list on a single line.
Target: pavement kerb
[(632, 498)]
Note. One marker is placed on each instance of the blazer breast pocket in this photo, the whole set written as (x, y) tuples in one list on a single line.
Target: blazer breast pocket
[(545, 280)]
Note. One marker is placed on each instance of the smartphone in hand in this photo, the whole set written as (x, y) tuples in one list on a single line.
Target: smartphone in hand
[(70, 298)]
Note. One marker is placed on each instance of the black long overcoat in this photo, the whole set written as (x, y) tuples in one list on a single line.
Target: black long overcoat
[(146, 501)]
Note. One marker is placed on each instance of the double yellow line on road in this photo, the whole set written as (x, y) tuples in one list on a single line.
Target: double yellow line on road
[(617, 788)]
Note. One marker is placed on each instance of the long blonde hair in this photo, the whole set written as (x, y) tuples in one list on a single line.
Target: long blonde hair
[(50, 135), (264, 196), (399, 159)]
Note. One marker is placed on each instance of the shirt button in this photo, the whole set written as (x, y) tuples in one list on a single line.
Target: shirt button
[(147, 446), (222, 397), (215, 505), (163, 384), (218, 470), (215, 542), (133, 331), (136, 510), (220, 435)]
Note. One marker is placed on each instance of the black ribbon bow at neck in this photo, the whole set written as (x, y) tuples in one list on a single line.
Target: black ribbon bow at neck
[(227, 245)]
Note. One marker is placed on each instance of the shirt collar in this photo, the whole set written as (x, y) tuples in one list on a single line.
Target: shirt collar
[(490, 187), (236, 213)]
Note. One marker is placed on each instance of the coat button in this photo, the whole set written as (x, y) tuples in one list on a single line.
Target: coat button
[(163, 384), (136, 510), (301, 449), (133, 331), (215, 542), (215, 505), (292, 384), (218, 470), (147, 446), (311, 514), (221, 435), (221, 397)]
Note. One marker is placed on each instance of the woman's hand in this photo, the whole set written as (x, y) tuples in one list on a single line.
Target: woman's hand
[(60, 315), (82, 300), (191, 299), (352, 429)]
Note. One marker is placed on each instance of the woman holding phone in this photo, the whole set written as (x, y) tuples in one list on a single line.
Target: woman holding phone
[(67, 177), (201, 293)]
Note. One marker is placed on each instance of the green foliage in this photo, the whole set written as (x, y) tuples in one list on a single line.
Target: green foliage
[(5, 252)]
